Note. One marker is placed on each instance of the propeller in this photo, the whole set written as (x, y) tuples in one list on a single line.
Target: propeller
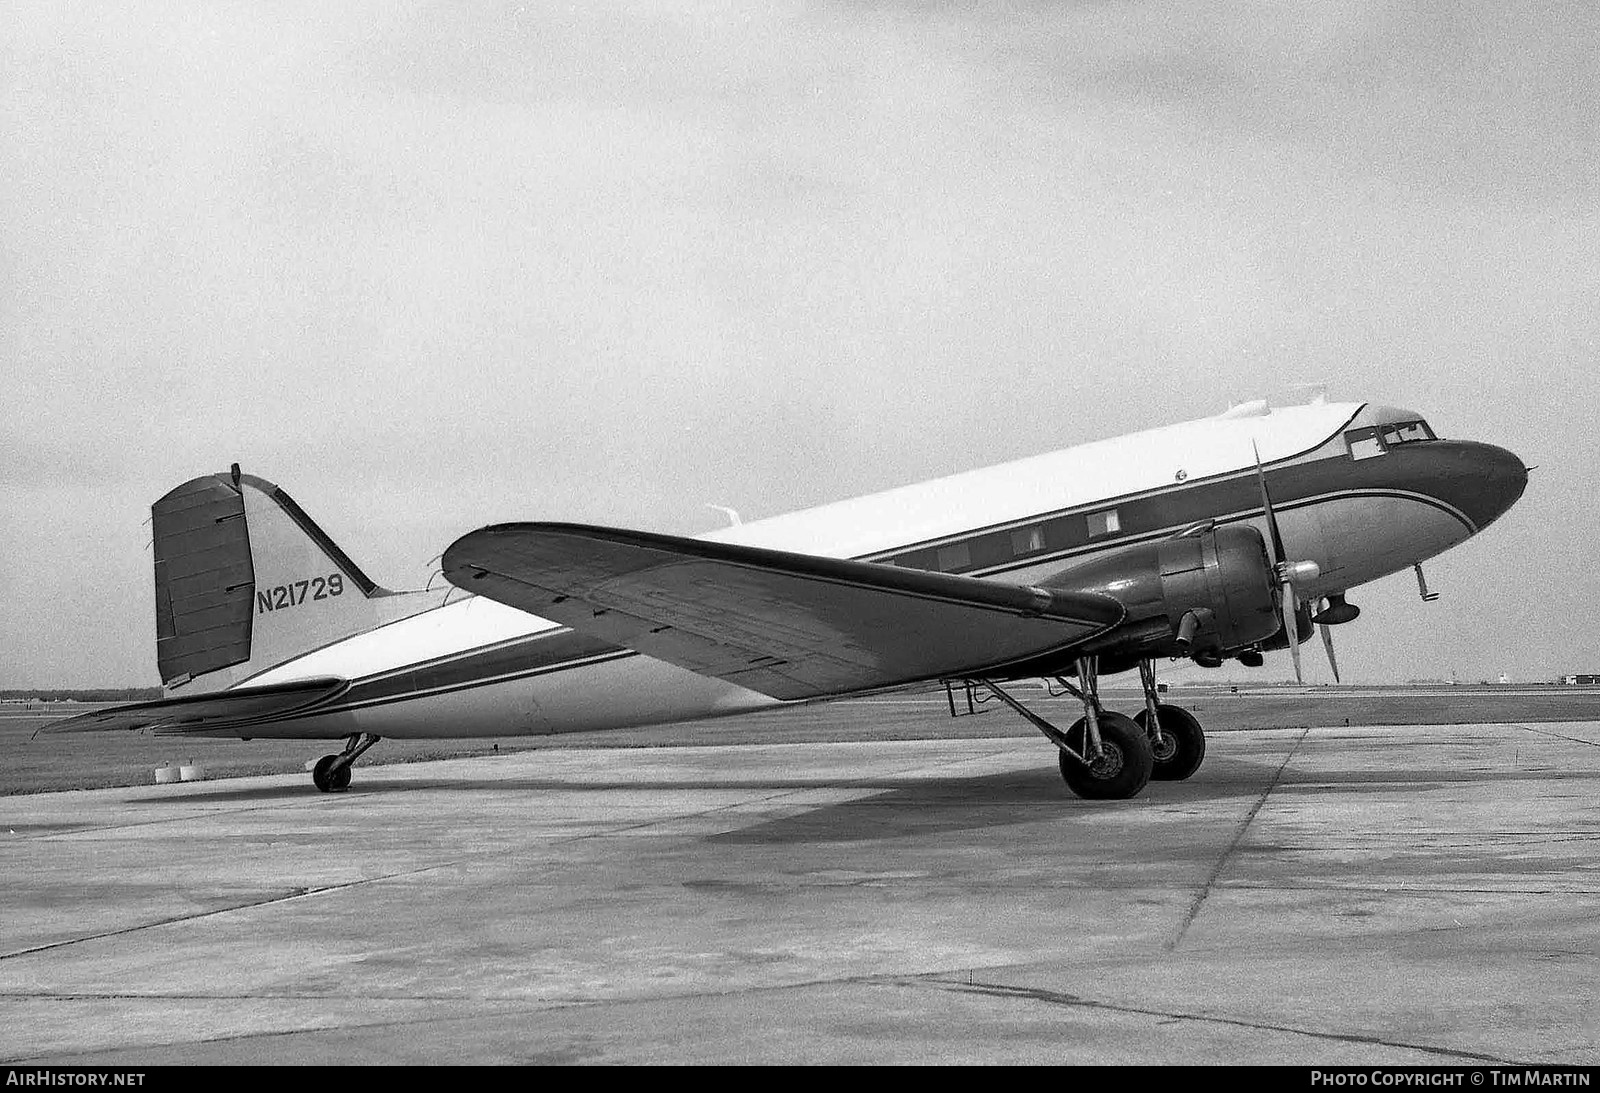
[(1335, 609), (1285, 573), (1327, 643)]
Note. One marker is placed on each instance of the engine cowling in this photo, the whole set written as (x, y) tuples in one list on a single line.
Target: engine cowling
[(1207, 595)]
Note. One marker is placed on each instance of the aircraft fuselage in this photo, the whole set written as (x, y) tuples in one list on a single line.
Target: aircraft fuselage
[(1363, 491)]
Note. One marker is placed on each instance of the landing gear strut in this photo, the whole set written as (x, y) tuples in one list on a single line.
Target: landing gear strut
[(332, 772), (1177, 743), (1104, 756)]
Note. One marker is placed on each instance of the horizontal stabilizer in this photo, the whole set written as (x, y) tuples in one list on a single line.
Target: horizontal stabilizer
[(787, 625), (206, 712)]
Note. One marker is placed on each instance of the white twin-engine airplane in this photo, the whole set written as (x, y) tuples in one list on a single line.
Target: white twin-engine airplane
[(1213, 539)]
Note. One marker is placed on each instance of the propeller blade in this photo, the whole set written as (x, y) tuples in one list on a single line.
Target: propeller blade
[(1327, 643), (1278, 556), (1288, 608), (1288, 604)]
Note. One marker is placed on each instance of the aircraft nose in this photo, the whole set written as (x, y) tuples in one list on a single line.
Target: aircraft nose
[(1503, 479)]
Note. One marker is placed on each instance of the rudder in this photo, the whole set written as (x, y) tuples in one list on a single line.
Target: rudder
[(205, 581), (245, 579)]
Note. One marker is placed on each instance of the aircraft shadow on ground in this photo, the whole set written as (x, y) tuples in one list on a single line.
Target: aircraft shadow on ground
[(950, 804), (369, 785), (912, 804)]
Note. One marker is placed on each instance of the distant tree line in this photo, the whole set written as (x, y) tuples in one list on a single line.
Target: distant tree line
[(98, 694)]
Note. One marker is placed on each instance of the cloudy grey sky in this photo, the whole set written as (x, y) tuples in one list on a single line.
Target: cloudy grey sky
[(435, 265)]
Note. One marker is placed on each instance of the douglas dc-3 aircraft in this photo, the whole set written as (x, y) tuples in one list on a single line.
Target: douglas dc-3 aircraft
[(1214, 539)]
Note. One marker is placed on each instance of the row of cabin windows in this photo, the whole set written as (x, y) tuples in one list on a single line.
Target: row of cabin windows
[(1066, 531), (1033, 539)]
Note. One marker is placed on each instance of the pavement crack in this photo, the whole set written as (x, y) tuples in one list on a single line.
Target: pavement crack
[(287, 897), (1559, 736), (129, 825), (1238, 837), (270, 996), (1061, 998), (229, 1038)]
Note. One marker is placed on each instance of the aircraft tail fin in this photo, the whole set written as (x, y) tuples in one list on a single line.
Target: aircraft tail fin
[(246, 580)]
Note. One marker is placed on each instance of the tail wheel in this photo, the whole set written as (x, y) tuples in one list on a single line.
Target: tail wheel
[(328, 779), (1184, 743), (1123, 766), (332, 772)]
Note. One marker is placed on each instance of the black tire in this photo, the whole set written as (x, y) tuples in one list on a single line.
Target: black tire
[(1186, 747), (1124, 766), (322, 774), (341, 780)]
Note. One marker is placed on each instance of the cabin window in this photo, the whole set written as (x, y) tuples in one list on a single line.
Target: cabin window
[(916, 559), (1104, 523), (1364, 443), (1027, 540), (955, 556)]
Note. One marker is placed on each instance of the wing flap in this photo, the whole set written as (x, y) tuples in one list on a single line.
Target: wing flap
[(786, 625), (218, 710)]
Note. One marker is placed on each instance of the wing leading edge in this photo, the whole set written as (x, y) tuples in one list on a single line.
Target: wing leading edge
[(787, 625), (200, 714)]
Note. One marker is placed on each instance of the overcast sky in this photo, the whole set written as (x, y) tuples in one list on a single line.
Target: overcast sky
[(431, 266)]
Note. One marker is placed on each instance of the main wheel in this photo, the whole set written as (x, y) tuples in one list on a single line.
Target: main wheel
[(341, 780), (1124, 764), (326, 779), (1184, 743)]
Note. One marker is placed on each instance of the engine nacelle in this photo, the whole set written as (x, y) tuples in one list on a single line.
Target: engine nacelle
[(1209, 595)]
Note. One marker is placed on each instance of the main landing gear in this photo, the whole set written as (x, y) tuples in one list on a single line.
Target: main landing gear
[(1107, 756), (332, 772), (1177, 744)]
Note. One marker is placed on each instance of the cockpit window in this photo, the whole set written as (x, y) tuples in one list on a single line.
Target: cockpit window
[(1377, 439), (1406, 432)]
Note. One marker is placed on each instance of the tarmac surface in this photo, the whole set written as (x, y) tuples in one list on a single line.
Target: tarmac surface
[(1363, 895)]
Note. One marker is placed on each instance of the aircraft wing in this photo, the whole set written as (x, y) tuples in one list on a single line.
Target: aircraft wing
[(205, 712), (787, 625)]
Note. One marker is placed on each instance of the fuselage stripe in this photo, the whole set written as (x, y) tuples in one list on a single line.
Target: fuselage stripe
[(370, 691)]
